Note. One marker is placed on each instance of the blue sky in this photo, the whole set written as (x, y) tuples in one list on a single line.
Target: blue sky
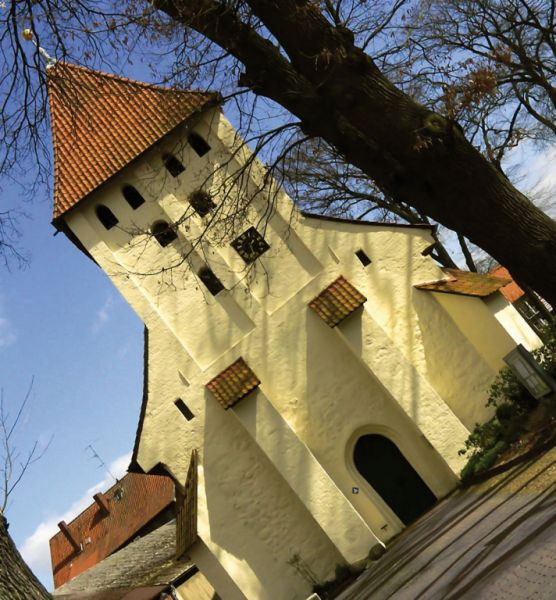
[(65, 325)]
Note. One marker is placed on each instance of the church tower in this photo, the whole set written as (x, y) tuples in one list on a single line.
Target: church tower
[(307, 380)]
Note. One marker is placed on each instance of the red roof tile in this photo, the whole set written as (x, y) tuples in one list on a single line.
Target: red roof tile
[(101, 122), (337, 301), (511, 291), (132, 503), (234, 383), (465, 283)]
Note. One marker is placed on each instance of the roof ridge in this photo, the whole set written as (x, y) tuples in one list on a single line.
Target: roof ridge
[(453, 271), (332, 218), (127, 80), (465, 283)]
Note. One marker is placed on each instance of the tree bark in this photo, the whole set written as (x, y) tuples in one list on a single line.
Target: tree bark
[(17, 581), (414, 155)]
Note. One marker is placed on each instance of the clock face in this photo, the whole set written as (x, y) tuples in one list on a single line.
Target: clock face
[(250, 245)]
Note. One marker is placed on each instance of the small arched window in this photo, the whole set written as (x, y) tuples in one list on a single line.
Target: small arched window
[(198, 144), (133, 197), (173, 165), (163, 233), (106, 216), (211, 281), (202, 202)]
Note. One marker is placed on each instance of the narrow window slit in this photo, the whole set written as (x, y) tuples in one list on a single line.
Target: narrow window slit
[(184, 409), (133, 197), (173, 165), (106, 216), (198, 144), (211, 281), (363, 258), (163, 233)]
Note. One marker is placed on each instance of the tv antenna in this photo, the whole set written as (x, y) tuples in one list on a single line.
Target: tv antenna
[(96, 456)]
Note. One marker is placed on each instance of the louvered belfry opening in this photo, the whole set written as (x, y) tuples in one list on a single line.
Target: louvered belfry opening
[(163, 233), (202, 202)]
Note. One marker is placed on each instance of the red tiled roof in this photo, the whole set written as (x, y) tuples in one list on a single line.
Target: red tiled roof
[(101, 122), (142, 497), (465, 283), (233, 383), (337, 301), (511, 291)]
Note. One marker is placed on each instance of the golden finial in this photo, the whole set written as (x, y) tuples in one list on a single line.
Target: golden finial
[(28, 36)]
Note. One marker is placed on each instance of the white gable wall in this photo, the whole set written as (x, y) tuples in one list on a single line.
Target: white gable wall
[(513, 322)]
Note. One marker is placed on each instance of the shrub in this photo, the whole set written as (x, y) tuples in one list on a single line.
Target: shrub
[(513, 403), (505, 412), (481, 461), (506, 389), (546, 354), (343, 573), (483, 437)]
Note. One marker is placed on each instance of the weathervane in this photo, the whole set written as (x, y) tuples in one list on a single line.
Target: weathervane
[(29, 37)]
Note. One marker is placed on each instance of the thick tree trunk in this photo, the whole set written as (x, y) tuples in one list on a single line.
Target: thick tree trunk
[(17, 581), (413, 154)]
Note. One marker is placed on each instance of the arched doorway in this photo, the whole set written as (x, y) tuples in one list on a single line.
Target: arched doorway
[(386, 469)]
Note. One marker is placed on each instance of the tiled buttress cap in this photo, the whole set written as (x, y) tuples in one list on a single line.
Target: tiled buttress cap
[(232, 384), (101, 122), (337, 301), (465, 283)]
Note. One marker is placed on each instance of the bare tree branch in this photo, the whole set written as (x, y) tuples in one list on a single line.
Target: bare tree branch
[(13, 466)]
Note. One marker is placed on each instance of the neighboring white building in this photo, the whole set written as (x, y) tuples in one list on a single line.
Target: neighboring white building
[(326, 371)]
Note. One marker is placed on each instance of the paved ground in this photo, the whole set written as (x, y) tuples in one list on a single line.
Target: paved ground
[(495, 540)]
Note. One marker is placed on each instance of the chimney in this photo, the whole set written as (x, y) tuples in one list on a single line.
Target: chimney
[(69, 536), (102, 503)]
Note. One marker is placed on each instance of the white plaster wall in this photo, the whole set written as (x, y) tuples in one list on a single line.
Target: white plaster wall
[(211, 568), (475, 321), (337, 399), (326, 395), (403, 365), (307, 478), (516, 326), (197, 587), (457, 365), (429, 334), (249, 518)]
